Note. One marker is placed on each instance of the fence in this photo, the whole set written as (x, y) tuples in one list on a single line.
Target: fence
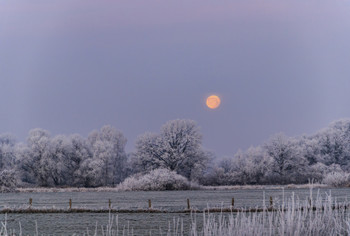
[(109, 208)]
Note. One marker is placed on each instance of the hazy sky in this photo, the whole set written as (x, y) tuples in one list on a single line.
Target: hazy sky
[(71, 66)]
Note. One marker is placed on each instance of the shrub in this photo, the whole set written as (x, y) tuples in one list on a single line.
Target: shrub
[(337, 179), (156, 180)]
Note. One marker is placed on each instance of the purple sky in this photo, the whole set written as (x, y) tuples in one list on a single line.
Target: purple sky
[(71, 66)]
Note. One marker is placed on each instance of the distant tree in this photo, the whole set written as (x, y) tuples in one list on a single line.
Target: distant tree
[(65, 155), (35, 156), (134, 164), (258, 163), (288, 166), (8, 180), (177, 148), (7, 151), (334, 144), (108, 147), (57, 161), (310, 149), (91, 173), (81, 151), (24, 167), (249, 167), (280, 150), (226, 172)]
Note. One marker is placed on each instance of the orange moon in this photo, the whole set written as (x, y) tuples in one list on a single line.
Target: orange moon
[(213, 101)]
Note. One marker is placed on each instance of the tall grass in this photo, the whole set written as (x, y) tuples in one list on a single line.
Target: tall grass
[(311, 216), (324, 217)]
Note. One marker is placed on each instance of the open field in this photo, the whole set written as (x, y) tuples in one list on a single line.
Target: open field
[(169, 209), (288, 220), (163, 200)]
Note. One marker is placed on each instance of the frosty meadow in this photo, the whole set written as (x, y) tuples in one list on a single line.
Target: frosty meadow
[(306, 212), (59, 168)]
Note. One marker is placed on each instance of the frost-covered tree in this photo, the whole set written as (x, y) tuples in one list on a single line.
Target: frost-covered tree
[(8, 180), (68, 153), (310, 149), (225, 173), (58, 161), (334, 144), (108, 147), (91, 173), (288, 166), (63, 160), (47, 161), (24, 167), (249, 167), (81, 151), (72, 160), (33, 159), (257, 165), (177, 147), (7, 151), (280, 150)]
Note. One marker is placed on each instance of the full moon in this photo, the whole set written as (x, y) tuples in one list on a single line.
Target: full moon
[(213, 101)]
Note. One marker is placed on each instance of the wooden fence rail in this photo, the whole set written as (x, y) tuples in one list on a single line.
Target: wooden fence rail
[(70, 209)]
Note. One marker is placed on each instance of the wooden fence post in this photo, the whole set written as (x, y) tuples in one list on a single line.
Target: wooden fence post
[(233, 202), (310, 202), (271, 202), (149, 203), (109, 203), (30, 202), (188, 204), (70, 204)]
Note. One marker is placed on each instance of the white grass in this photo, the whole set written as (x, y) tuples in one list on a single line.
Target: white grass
[(272, 187), (323, 221), (68, 189), (232, 187)]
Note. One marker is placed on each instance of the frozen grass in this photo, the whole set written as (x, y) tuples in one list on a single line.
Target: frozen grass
[(115, 189), (320, 216), (311, 216), (68, 189), (273, 187), (294, 218)]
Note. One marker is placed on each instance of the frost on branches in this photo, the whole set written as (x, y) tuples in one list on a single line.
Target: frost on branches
[(177, 147), (322, 157), (155, 180), (101, 160), (65, 161), (108, 156)]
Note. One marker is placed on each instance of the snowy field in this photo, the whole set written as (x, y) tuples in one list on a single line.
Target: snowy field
[(166, 200), (141, 223)]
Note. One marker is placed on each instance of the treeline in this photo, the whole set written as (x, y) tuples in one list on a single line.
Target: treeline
[(322, 157), (101, 160)]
